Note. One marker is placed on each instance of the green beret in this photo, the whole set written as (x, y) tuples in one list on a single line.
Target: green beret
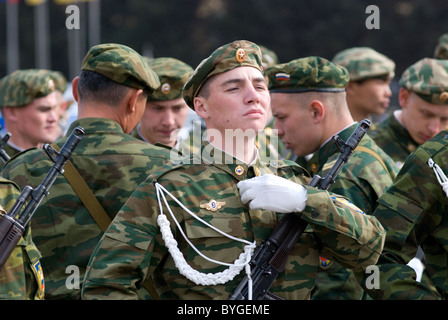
[(21, 87), (307, 74), (441, 51), (364, 63), (268, 57), (59, 80), (428, 78), (227, 57), (173, 74), (121, 64)]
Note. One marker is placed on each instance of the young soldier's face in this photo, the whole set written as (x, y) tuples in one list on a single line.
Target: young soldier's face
[(37, 122), (162, 120), (238, 99), (422, 119)]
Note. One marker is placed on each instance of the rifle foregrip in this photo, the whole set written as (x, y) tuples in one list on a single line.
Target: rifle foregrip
[(11, 232)]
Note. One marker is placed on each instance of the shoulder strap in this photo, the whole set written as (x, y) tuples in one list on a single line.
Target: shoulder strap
[(92, 204), (86, 195), (373, 153)]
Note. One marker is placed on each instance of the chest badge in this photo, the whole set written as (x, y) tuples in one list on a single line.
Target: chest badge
[(213, 205)]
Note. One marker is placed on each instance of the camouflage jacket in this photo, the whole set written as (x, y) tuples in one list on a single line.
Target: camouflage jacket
[(414, 212), (133, 249), (112, 164), (362, 180), (394, 139), (21, 277)]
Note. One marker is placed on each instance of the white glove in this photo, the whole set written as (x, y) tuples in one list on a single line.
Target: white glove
[(273, 193)]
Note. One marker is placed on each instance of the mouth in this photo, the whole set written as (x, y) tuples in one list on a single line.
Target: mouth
[(254, 112)]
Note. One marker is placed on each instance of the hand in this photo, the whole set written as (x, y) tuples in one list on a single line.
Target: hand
[(273, 193)]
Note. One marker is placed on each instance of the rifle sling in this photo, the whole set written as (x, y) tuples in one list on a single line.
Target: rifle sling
[(92, 204)]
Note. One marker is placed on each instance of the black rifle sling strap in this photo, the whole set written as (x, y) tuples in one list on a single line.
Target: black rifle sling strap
[(92, 204)]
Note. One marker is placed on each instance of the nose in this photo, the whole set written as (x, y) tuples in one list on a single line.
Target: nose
[(278, 127), (435, 126), (388, 91), (168, 118), (252, 95)]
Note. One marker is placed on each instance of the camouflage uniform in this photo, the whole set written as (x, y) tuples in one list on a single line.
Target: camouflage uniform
[(21, 277), (413, 212), (394, 139), (21, 87), (367, 175), (363, 180), (427, 78), (111, 162), (133, 248)]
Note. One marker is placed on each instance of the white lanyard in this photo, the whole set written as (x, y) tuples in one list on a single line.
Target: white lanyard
[(180, 262), (441, 177)]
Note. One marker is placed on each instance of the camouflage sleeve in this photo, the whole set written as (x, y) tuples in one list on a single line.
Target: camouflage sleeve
[(124, 254), (359, 193), (348, 235), (21, 277), (411, 212)]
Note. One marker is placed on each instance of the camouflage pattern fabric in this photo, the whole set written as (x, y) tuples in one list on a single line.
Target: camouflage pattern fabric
[(269, 58), (172, 74), (307, 74), (413, 212), (394, 139), (21, 87), (113, 164), (227, 57), (121, 64), (132, 249), (441, 50), (21, 277), (428, 78), (364, 63), (362, 180)]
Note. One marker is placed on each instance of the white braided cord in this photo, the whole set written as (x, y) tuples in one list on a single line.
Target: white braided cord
[(441, 177), (184, 268)]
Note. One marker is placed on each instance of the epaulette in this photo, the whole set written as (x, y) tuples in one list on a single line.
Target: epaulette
[(288, 166)]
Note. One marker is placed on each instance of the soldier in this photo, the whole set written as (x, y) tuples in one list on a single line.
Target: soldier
[(30, 107), (413, 212), (166, 110), (368, 91), (189, 229), (441, 50), (111, 92), (423, 98), (21, 277), (309, 104)]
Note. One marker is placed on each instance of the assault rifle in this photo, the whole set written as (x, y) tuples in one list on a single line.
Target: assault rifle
[(3, 155), (12, 228), (270, 257)]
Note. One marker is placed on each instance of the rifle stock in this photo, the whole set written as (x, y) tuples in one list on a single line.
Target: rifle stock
[(13, 223), (270, 257)]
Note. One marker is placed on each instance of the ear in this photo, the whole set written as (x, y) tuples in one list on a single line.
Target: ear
[(201, 107), (134, 99), (317, 111), (11, 114), (75, 88), (403, 97)]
